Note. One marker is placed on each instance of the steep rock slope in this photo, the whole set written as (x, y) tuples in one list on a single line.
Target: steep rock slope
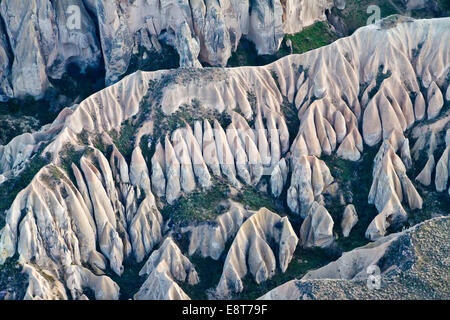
[(46, 37), (67, 221), (43, 42), (251, 251), (390, 186), (337, 93), (164, 267)]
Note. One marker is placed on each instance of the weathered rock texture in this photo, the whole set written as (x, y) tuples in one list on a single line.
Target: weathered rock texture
[(101, 210), (59, 224), (164, 267), (349, 220), (433, 142), (182, 165), (6, 91), (47, 36), (310, 178), (251, 251)]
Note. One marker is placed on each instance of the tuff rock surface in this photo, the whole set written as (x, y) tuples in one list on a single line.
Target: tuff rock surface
[(103, 208), (46, 37), (163, 268), (251, 252)]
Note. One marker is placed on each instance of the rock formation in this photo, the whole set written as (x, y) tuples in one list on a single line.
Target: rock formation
[(45, 40), (442, 170), (251, 251), (93, 209), (328, 122), (41, 286), (209, 239), (390, 187), (278, 178), (58, 224), (6, 91), (164, 267), (432, 137), (317, 228), (310, 178), (231, 153), (55, 35), (424, 176)]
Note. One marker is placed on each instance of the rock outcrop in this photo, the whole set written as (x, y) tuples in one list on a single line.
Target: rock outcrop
[(389, 268), (164, 267), (432, 137), (424, 176), (390, 187), (59, 224), (251, 253), (98, 211), (442, 170), (310, 178), (47, 37), (209, 239), (349, 220), (42, 286), (181, 165), (317, 228)]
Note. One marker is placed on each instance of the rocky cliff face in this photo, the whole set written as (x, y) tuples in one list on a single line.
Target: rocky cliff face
[(45, 37), (43, 42), (145, 143)]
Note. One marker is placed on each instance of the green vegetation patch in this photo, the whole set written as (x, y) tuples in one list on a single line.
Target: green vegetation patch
[(209, 272), (124, 139), (290, 113), (355, 13), (355, 180), (256, 200), (69, 155), (379, 80), (12, 281), (246, 55), (28, 107), (73, 87)]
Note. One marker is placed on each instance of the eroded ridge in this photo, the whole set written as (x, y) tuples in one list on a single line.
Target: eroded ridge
[(364, 90)]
